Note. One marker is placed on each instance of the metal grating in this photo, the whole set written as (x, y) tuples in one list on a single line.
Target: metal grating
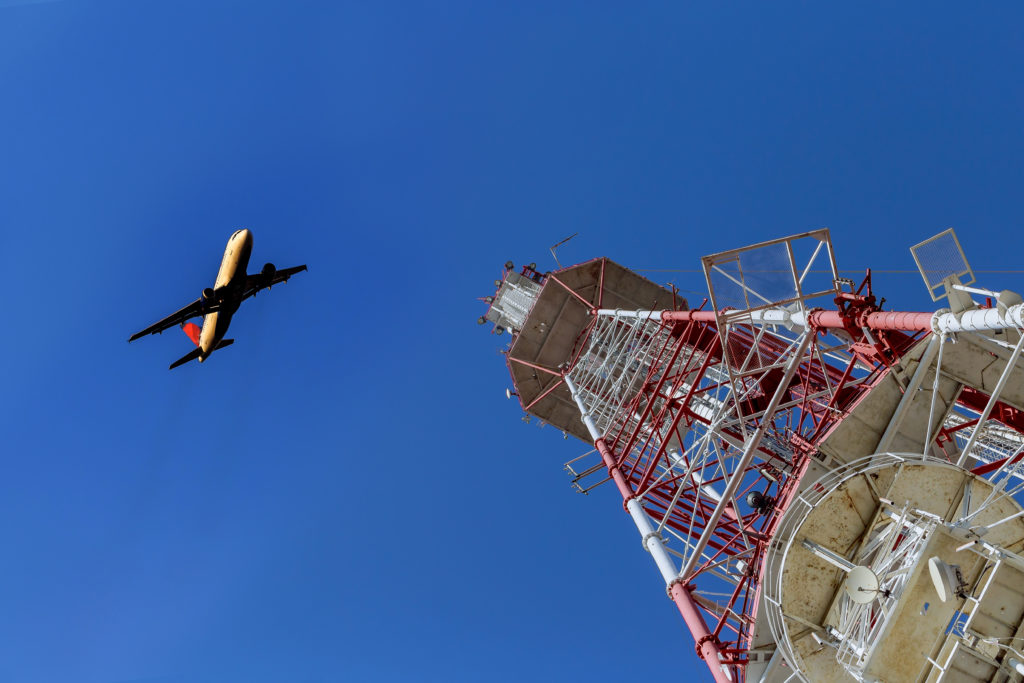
[(941, 257), (514, 301)]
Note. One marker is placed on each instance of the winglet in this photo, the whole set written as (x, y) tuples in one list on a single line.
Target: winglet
[(193, 331)]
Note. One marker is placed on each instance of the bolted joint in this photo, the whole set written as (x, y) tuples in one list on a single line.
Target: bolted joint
[(653, 534), (704, 639), (678, 581), (625, 500), (936, 328), (1016, 315)]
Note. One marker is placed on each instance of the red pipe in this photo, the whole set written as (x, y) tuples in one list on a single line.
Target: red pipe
[(613, 470), (892, 320), (878, 320), (707, 644)]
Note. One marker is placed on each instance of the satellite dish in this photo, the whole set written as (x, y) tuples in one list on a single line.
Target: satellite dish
[(946, 578), (508, 394), (861, 585)]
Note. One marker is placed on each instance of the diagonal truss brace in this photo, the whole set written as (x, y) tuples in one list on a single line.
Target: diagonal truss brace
[(748, 454)]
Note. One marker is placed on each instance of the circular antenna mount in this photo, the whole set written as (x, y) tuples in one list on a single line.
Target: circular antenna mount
[(861, 585)]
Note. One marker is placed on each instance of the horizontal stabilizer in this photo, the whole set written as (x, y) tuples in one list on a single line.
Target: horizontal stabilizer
[(191, 355), (225, 342)]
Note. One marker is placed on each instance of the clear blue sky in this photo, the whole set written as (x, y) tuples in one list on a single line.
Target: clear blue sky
[(345, 494)]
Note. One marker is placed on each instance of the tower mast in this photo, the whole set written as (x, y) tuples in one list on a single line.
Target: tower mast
[(711, 422)]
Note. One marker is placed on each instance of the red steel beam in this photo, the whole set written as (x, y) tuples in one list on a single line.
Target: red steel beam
[(878, 320)]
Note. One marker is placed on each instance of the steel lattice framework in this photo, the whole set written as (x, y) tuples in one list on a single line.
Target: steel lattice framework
[(693, 412), (706, 420)]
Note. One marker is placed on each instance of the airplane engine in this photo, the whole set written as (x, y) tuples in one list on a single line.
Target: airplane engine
[(269, 270), (208, 294)]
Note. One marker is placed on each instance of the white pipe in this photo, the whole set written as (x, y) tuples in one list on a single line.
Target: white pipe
[(795, 321), (829, 556), (765, 316), (989, 527), (935, 396), (653, 541), (976, 290), (979, 319), (615, 312), (908, 395), (595, 433)]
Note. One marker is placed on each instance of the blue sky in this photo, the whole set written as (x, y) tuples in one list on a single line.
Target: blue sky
[(346, 494)]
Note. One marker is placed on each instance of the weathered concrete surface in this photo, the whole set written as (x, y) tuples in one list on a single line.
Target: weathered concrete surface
[(842, 521)]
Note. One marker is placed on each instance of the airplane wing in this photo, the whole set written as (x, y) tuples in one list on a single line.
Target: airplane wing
[(263, 280), (193, 310)]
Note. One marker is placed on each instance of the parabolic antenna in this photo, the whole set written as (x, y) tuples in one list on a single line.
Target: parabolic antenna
[(861, 585), (946, 578)]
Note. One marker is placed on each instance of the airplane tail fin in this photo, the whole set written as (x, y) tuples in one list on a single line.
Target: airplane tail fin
[(191, 355), (193, 331)]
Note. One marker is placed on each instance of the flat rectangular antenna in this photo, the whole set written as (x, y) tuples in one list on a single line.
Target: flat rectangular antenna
[(940, 258)]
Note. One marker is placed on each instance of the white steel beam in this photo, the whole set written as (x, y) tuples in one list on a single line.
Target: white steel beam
[(909, 395), (655, 545)]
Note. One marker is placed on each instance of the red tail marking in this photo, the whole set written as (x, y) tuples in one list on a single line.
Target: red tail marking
[(192, 330)]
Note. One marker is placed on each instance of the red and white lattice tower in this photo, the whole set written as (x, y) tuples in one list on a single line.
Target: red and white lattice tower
[(829, 490)]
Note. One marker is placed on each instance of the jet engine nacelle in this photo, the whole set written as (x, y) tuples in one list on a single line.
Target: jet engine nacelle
[(268, 270), (208, 295)]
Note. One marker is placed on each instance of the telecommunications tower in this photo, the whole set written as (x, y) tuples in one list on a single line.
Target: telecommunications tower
[(829, 490)]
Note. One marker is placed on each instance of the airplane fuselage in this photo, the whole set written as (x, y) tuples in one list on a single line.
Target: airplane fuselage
[(216, 305), (228, 288)]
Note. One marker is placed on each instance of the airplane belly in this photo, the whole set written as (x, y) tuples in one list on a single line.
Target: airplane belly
[(215, 326), (208, 337)]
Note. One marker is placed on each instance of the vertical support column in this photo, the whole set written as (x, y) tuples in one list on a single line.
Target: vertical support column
[(707, 645)]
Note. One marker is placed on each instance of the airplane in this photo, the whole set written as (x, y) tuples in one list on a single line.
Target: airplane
[(218, 303)]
